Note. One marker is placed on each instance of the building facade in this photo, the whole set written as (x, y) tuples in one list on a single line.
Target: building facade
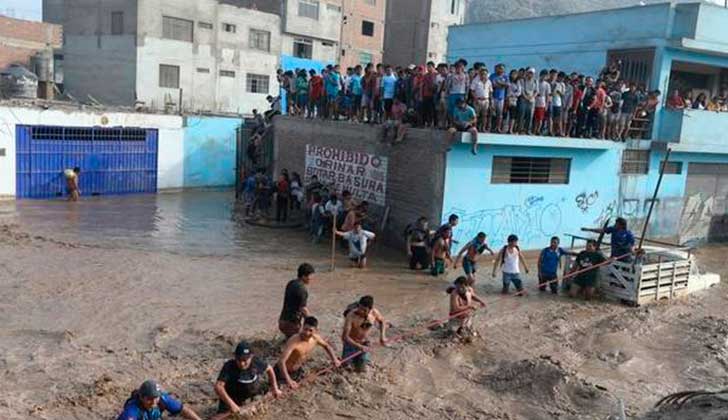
[(190, 55), (311, 33), (20, 40), (362, 32), (416, 31)]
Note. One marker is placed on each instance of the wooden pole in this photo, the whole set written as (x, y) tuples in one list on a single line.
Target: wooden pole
[(333, 244), (654, 198)]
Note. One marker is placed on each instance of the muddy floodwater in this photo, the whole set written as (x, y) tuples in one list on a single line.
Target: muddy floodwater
[(99, 295)]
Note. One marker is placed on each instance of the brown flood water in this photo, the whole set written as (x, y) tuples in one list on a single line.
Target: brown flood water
[(99, 295)]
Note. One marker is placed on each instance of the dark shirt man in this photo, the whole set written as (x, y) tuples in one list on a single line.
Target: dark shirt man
[(588, 275), (241, 379), (295, 302)]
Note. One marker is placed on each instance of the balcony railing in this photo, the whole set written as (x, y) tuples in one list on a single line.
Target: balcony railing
[(695, 127)]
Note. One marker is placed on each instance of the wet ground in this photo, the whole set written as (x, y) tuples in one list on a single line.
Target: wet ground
[(99, 295)]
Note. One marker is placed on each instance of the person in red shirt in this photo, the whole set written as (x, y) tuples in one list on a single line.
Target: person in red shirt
[(315, 94), (282, 196), (676, 101)]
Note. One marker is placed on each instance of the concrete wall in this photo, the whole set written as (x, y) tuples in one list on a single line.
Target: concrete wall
[(21, 39), (171, 136), (566, 42), (406, 32), (416, 167), (534, 212), (323, 51), (353, 43), (209, 151)]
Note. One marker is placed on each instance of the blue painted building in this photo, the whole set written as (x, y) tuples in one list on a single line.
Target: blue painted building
[(537, 187)]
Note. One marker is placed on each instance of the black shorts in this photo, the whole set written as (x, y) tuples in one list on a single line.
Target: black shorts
[(555, 112), (463, 128), (358, 259), (388, 104)]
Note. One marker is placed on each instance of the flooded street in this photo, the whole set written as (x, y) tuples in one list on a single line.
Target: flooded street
[(99, 295)]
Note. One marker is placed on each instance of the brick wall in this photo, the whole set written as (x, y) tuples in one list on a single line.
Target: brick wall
[(20, 39), (416, 167)]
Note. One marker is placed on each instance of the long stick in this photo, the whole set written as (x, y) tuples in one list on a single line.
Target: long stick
[(654, 198), (333, 244)]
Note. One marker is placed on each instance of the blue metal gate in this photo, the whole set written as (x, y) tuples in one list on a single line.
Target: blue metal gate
[(112, 160)]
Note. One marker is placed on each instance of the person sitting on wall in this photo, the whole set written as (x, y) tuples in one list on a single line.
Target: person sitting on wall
[(464, 120), (275, 107)]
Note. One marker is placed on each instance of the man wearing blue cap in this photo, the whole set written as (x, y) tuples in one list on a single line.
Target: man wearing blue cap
[(149, 402), (240, 380)]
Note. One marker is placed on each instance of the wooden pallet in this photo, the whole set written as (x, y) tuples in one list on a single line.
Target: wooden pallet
[(640, 284)]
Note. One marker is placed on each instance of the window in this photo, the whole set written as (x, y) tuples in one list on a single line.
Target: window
[(673, 168), (327, 44), (179, 29), (365, 58), (202, 70), (257, 83), (204, 25), (229, 27), (371, 2), (635, 161), (367, 28), (117, 23), (333, 8), (259, 40), (454, 7), (530, 170), (308, 8), (168, 76), (302, 48), (227, 73)]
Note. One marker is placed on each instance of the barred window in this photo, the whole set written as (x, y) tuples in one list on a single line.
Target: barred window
[(204, 25), (673, 168), (227, 73), (302, 48), (117, 23), (259, 40), (168, 76), (229, 27), (308, 8), (530, 170), (257, 83), (175, 28), (367, 28), (636, 161)]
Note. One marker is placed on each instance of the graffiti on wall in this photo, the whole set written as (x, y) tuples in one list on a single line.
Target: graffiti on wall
[(585, 201), (695, 219), (608, 212), (531, 220)]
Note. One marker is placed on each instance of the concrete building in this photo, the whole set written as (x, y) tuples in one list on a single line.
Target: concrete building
[(20, 40), (537, 187), (362, 32), (311, 30), (213, 55), (416, 31)]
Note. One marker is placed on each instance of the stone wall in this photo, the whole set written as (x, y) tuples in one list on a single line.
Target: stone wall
[(416, 167)]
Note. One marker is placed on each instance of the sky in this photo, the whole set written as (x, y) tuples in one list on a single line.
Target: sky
[(22, 9)]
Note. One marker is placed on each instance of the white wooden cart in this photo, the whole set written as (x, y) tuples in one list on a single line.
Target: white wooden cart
[(662, 273)]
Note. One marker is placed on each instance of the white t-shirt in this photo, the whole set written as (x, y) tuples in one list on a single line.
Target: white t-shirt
[(458, 84), (358, 242), (544, 91), (480, 88), (334, 208), (510, 262), (557, 93)]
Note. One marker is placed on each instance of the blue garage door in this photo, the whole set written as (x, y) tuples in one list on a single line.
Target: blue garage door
[(112, 160)]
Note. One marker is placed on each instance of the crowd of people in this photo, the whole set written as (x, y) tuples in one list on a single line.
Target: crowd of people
[(701, 101), (525, 101)]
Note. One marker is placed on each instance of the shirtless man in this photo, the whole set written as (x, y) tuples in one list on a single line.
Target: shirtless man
[(358, 324), (72, 176), (470, 253), (462, 301), (440, 253), (298, 349)]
